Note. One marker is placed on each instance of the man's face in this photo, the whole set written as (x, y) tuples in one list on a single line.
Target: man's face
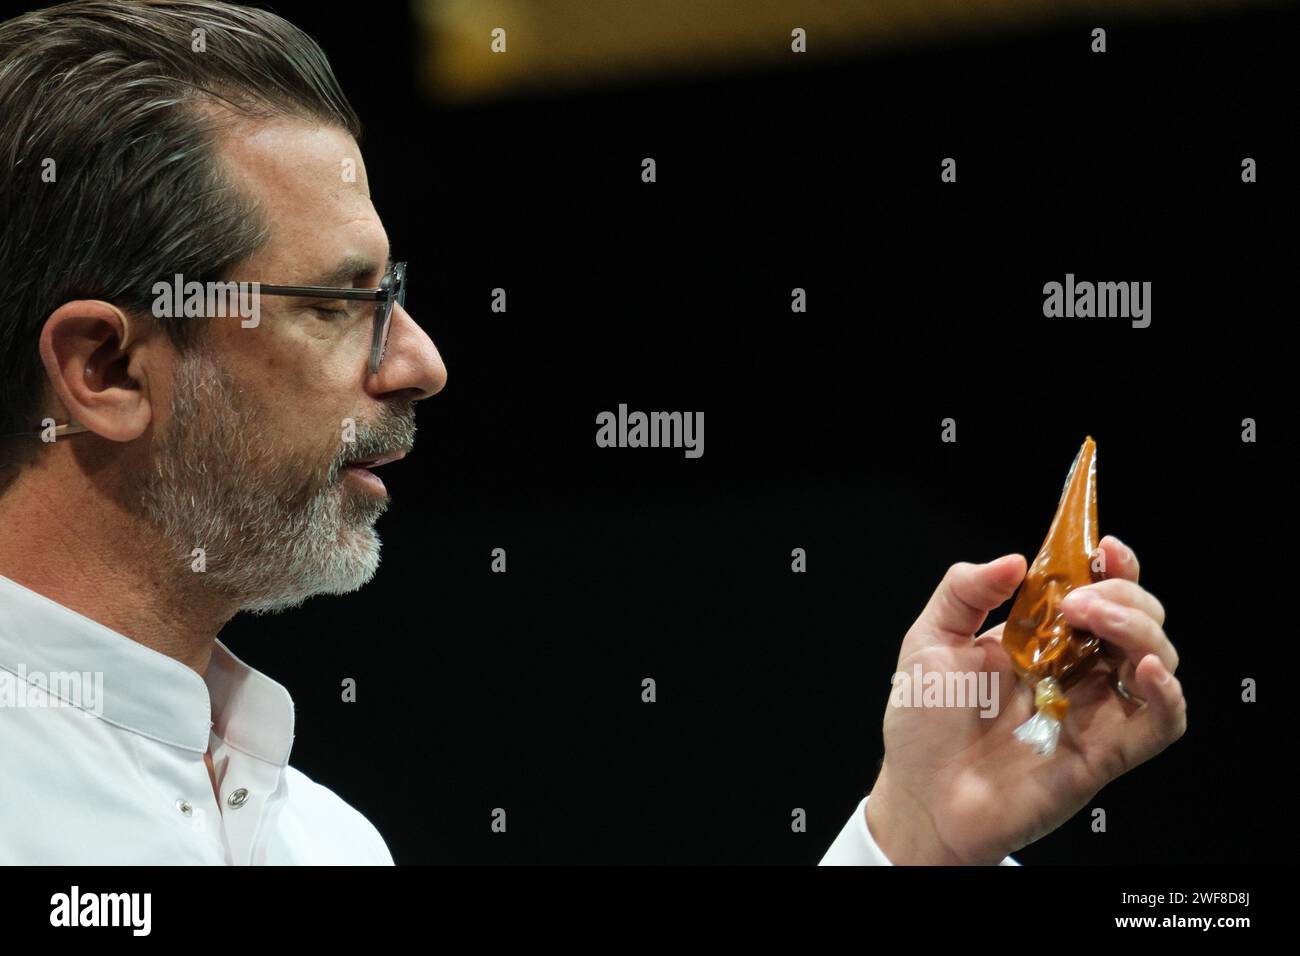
[(250, 458)]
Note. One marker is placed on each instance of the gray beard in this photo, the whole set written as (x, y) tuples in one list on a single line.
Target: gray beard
[(275, 529)]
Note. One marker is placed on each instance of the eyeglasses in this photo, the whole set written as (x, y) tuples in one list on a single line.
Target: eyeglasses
[(391, 289)]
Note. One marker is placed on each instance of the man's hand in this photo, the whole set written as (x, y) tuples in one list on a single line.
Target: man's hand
[(958, 788)]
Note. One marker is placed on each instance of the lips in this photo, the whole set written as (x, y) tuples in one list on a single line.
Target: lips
[(375, 462), (360, 470)]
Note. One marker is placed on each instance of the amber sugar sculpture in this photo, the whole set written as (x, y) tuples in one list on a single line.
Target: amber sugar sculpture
[(1047, 653)]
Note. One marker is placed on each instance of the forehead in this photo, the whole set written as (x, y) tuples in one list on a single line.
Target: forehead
[(311, 185)]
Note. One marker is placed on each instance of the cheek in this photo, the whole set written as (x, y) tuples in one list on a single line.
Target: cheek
[(309, 385), (304, 373), (324, 410)]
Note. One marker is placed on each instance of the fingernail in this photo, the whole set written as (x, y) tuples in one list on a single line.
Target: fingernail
[(1164, 676)]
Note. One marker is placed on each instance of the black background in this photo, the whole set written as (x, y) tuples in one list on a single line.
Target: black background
[(523, 690)]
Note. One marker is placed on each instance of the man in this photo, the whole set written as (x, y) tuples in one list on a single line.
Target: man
[(200, 466), (221, 465)]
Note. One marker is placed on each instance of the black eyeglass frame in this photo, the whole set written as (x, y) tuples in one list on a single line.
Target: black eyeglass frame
[(392, 288)]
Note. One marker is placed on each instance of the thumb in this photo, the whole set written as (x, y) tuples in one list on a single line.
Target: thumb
[(967, 593)]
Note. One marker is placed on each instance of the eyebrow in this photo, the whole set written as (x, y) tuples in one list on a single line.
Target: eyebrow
[(351, 269)]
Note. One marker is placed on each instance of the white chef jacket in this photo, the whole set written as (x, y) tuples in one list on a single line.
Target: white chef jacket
[(855, 846), (119, 777)]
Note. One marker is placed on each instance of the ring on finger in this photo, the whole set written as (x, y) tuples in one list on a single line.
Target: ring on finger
[(1117, 682)]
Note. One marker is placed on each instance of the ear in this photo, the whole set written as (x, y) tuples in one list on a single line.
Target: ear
[(92, 360)]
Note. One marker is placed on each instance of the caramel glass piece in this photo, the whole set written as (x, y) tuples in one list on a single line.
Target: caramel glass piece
[(1039, 640)]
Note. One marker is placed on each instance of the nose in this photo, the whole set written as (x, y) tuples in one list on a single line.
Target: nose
[(412, 367)]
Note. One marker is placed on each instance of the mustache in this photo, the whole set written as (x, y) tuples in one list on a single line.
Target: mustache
[(393, 433)]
